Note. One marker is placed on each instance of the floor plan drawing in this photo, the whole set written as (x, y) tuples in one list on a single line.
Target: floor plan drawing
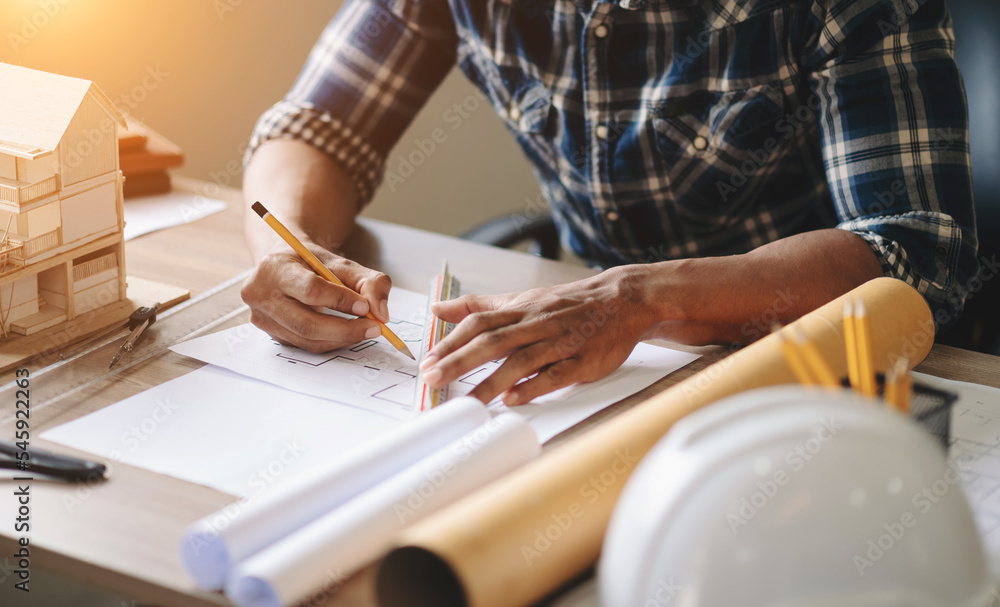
[(370, 374), (374, 376)]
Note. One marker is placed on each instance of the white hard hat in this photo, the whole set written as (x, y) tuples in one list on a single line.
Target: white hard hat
[(787, 496)]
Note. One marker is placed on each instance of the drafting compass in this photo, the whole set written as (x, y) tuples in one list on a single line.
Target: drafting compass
[(138, 322)]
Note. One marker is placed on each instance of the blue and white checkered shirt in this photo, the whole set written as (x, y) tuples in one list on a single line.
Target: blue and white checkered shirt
[(662, 129)]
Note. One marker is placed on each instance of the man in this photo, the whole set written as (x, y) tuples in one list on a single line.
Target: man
[(726, 159)]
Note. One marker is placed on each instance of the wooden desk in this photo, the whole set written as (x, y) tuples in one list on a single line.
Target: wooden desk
[(124, 534)]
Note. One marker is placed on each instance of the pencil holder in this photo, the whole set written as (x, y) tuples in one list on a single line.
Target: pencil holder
[(929, 407)]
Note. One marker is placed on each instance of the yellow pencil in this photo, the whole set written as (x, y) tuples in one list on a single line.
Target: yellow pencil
[(866, 356), (898, 386), (322, 270), (818, 366), (851, 346), (905, 390)]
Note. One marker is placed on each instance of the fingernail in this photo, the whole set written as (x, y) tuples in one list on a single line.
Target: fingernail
[(373, 332), (360, 308), (432, 377), (383, 309), (511, 399), (428, 361)]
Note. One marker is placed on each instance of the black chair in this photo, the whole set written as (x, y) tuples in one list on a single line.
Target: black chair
[(977, 33), (977, 42), (514, 230)]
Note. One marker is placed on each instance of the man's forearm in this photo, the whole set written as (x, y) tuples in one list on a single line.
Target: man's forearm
[(305, 189), (736, 298)]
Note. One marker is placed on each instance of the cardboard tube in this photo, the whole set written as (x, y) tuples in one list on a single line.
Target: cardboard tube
[(519, 539)]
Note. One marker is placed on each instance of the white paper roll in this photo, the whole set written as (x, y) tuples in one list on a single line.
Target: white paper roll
[(337, 544), (213, 545)]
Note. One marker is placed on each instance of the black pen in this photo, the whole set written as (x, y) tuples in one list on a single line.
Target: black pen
[(62, 467)]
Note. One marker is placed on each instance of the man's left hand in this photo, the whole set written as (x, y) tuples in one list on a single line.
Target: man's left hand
[(551, 337)]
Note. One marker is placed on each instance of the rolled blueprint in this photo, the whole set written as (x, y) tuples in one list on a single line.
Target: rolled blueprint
[(524, 536), (361, 530), (212, 545)]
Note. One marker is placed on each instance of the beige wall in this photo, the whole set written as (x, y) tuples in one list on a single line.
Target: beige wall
[(201, 71)]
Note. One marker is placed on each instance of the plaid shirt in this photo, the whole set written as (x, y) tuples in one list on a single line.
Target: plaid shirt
[(662, 129)]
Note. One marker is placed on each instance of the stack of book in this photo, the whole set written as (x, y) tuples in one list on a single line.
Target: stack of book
[(145, 156)]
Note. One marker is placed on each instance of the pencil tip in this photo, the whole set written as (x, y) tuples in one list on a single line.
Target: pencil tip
[(407, 352), (259, 208)]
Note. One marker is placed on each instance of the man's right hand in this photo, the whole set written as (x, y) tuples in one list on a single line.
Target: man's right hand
[(287, 299)]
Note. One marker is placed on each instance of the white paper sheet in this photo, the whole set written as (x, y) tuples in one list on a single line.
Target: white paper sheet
[(374, 376), (145, 214), (975, 439), (214, 544), (371, 375), (358, 532), (223, 430), (227, 431), (560, 410)]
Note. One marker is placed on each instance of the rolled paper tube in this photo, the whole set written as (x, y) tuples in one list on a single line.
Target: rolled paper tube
[(357, 533), (214, 544), (524, 536)]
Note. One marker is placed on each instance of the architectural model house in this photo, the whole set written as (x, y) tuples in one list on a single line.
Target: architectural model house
[(62, 251)]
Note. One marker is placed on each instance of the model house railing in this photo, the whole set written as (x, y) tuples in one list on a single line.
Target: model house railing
[(11, 256), (15, 251), (94, 266), (40, 244), (16, 193)]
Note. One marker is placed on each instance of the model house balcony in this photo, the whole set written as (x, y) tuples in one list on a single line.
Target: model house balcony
[(15, 252), (17, 193)]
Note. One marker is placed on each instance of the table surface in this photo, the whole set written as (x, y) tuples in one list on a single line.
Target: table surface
[(124, 534)]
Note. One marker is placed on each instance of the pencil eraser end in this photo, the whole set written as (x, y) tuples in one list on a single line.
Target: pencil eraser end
[(259, 208)]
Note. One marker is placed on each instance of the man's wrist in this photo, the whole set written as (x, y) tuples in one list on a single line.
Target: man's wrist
[(684, 297), (655, 290)]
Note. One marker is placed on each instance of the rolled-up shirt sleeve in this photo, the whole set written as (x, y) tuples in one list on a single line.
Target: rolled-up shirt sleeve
[(371, 71), (895, 139)]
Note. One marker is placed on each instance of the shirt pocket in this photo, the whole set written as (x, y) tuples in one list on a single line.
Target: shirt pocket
[(525, 104), (713, 147), (522, 101)]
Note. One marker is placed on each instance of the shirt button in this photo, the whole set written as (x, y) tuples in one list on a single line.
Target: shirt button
[(601, 131), (601, 31), (699, 143), (514, 112), (611, 215)]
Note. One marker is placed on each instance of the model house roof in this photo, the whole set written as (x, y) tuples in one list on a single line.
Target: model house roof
[(36, 109)]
